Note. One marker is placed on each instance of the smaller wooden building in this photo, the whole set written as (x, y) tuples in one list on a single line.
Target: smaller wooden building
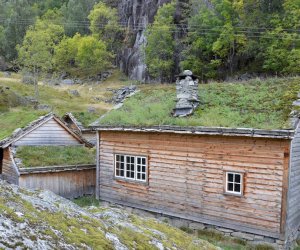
[(49, 130)]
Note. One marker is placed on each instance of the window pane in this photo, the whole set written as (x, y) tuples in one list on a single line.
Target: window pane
[(144, 161), (130, 167), (230, 177), (138, 160), (230, 187), (143, 177), (237, 188), (117, 157), (237, 178)]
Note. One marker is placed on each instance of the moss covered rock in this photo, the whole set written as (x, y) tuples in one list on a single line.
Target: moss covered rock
[(43, 220)]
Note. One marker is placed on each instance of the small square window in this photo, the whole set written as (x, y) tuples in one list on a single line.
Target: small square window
[(234, 183)]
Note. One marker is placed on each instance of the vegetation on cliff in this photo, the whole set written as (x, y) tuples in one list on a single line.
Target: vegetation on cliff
[(215, 39)]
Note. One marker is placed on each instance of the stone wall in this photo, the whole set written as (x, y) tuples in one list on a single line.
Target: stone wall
[(184, 224)]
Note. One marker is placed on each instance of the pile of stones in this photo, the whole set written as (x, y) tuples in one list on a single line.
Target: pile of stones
[(187, 94)]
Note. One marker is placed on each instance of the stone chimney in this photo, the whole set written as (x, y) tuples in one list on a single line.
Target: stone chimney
[(187, 94)]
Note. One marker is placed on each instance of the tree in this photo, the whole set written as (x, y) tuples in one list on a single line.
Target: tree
[(105, 25), (159, 50), (17, 16), (65, 53), (214, 41), (35, 54), (282, 44), (75, 14), (92, 56), (84, 55)]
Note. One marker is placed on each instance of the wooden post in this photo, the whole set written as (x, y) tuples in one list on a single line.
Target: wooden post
[(97, 165), (285, 187)]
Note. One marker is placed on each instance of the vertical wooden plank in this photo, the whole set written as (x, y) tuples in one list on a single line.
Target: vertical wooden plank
[(98, 166), (285, 184)]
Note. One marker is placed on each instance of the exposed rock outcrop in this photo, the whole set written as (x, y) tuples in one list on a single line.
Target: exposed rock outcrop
[(136, 15), (42, 220)]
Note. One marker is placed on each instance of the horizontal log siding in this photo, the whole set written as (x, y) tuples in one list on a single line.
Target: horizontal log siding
[(9, 172), (50, 133), (293, 217), (186, 177), (69, 183)]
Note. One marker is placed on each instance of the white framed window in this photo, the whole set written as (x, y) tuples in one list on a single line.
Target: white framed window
[(234, 183), (131, 167)]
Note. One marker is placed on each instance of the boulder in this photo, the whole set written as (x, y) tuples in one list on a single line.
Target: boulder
[(43, 107), (74, 92), (28, 78), (122, 93), (3, 65), (6, 74), (68, 82), (91, 109)]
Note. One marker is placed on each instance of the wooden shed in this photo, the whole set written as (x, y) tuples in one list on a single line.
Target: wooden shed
[(246, 180), (48, 130)]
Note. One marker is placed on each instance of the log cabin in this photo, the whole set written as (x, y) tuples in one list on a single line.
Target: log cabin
[(49, 130), (240, 180)]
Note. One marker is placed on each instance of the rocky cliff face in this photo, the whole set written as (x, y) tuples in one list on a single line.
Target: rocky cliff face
[(135, 15)]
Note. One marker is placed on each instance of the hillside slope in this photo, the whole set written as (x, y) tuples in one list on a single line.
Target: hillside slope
[(43, 220), (16, 101)]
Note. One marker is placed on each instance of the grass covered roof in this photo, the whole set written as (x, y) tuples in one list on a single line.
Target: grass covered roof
[(261, 104), (41, 156)]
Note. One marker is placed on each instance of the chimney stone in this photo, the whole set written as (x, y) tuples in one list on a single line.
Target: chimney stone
[(187, 94)]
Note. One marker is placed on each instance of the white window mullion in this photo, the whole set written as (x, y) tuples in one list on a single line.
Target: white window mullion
[(125, 166), (135, 168)]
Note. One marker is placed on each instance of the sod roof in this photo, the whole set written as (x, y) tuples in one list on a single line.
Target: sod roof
[(259, 104)]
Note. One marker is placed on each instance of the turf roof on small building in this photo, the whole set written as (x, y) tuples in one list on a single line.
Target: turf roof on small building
[(261, 104)]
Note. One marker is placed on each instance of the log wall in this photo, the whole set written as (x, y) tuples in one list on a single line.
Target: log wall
[(293, 206), (9, 169), (50, 133), (186, 178), (69, 182)]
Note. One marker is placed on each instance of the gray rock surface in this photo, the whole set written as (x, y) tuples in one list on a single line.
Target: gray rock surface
[(121, 94), (44, 107), (41, 220), (28, 78), (68, 81), (74, 92), (187, 94), (136, 14)]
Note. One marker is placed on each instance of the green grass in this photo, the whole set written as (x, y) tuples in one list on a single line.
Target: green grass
[(86, 201), (254, 104), (229, 243), (40, 156), (16, 118)]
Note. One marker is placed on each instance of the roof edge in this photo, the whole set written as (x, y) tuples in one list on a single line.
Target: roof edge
[(247, 132)]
